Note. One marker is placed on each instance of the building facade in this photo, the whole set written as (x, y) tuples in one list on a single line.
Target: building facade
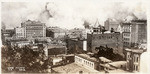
[(33, 29), (87, 61), (76, 45), (134, 33), (55, 32), (133, 59), (111, 40), (111, 23), (126, 34), (138, 32), (7, 34), (19, 32)]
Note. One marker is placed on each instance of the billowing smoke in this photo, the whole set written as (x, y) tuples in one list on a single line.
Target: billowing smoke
[(86, 24), (70, 14), (45, 14)]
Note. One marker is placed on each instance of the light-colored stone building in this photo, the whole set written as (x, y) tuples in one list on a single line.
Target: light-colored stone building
[(111, 23), (111, 40), (34, 29), (87, 61), (19, 32), (134, 33)]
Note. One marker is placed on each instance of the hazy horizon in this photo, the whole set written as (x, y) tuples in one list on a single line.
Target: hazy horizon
[(69, 14)]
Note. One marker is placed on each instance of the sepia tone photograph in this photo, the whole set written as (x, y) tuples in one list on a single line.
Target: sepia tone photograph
[(74, 36)]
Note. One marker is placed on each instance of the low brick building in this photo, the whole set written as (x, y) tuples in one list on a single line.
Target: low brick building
[(110, 40)]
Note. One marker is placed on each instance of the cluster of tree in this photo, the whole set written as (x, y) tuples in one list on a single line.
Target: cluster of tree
[(32, 61), (108, 53)]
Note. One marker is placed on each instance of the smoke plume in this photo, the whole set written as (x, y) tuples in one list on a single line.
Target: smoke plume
[(70, 14)]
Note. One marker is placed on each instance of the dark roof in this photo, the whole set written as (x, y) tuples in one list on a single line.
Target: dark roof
[(126, 23), (57, 30), (139, 21), (135, 50)]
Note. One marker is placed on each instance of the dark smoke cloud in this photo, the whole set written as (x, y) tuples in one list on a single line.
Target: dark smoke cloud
[(45, 14), (70, 14)]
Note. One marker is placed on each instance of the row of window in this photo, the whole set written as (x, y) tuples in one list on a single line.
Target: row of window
[(34, 30), (126, 34), (104, 37), (126, 30), (96, 30), (136, 58), (125, 43), (126, 39), (34, 36), (88, 63), (19, 34), (35, 27), (84, 61)]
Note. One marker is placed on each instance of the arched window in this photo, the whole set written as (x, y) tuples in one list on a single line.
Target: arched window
[(137, 59)]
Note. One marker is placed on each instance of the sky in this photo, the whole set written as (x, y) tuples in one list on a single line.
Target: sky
[(69, 14)]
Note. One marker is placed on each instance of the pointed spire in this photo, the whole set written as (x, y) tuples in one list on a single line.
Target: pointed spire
[(97, 23)]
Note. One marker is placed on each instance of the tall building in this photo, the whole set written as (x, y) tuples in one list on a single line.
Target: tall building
[(134, 33), (33, 29), (139, 32), (126, 34), (111, 23)]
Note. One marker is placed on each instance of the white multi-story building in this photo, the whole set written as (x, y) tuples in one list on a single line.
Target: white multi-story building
[(134, 33), (126, 34), (19, 32), (33, 29), (87, 61)]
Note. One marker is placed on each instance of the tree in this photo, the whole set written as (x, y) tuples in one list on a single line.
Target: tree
[(108, 53), (23, 57)]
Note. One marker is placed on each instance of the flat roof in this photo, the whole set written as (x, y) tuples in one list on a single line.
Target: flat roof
[(86, 56), (135, 50), (117, 63), (104, 59), (139, 20), (107, 66), (72, 68)]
